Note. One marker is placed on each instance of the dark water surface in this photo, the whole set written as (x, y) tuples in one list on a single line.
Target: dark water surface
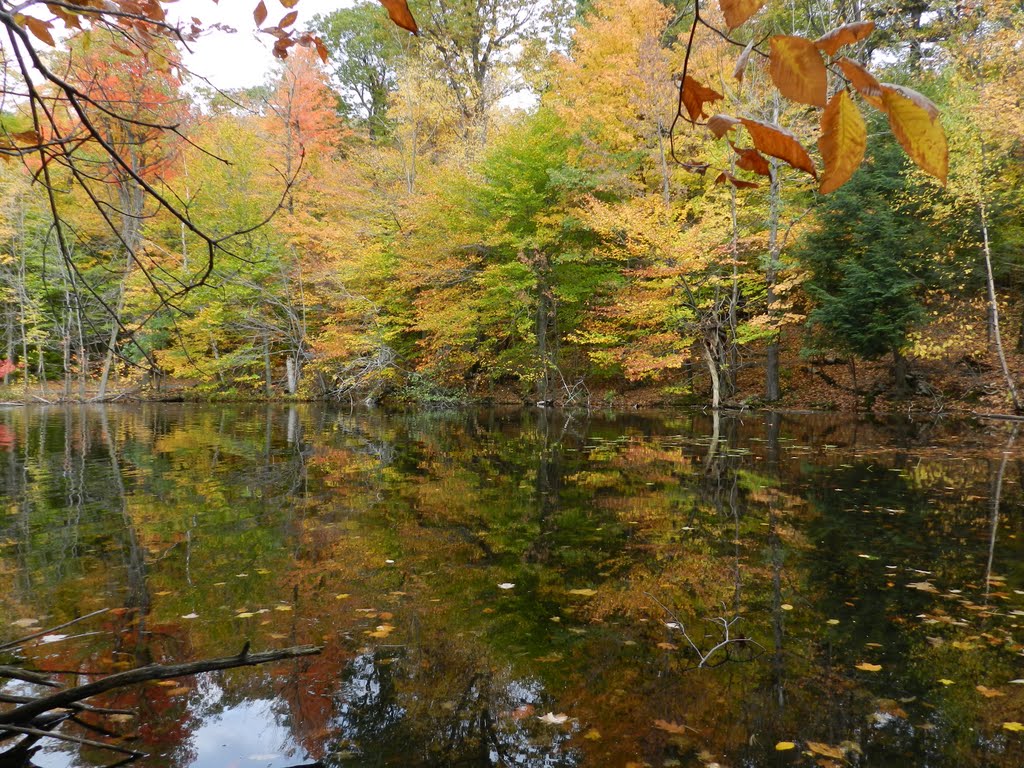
[(469, 573)]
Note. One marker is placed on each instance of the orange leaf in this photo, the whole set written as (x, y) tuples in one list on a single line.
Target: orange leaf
[(672, 727), (847, 34), (742, 61), (865, 83), (694, 97), (40, 29), (915, 124), (824, 749), (738, 11), (399, 12), (844, 137), (752, 160), (289, 3), (259, 14), (721, 125), (724, 177), (798, 70), (27, 137), (780, 143), (321, 49), (288, 19)]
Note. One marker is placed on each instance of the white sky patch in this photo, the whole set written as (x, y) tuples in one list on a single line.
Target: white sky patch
[(242, 59)]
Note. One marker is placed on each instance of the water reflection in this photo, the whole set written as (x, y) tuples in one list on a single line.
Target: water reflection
[(470, 573)]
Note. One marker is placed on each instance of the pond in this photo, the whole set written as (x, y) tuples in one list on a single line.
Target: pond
[(523, 588)]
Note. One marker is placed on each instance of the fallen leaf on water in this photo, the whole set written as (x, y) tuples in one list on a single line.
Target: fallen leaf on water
[(592, 735), (924, 586), (190, 616), (786, 607), (552, 719), (824, 749), (163, 593), (946, 681), (181, 689), (866, 666), (668, 647), (382, 631), (521, 713), (24, 622), (1014, 726), (583, 592), (167, 683), (1018, 681), (282, 607), (833, 622), (121, 717), (506, 585), (783, 746), (244, 615), (988, 693), (676, 728)]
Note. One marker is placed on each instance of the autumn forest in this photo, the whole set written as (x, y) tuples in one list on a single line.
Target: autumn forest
[(615, 202)]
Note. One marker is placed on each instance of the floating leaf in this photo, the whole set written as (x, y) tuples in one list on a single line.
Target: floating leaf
[(844, 137), (988, 693), (259, 14), (695, 96), (863, 81), (1014, 726), (399, 12), (784, 746), (824, 749), (738, 11), (552, 719), (23, 623), (915, 124), (924, 586), (676, 728), (592, 735), (382, 631), (190, 616), (832, 622), (244, 615), (180, 690), (786, 607), (946, 681), (866, 666), (583, 592), (506, 585), (668, 646), (779, 143), (798, 70), (282, 607), (847, 34)]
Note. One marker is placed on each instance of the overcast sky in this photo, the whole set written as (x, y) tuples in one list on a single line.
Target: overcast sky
[(244, 58)]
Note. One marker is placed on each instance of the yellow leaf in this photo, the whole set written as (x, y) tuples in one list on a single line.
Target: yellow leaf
[(863, 81), (866, 666), (798, 70), (847, 34), (915, 124), (592, 735), (780, 143), (784, 746), (382, 631), (738, 11), (844, 137), (583, 592), (178, 691), (244, 615), (282, 607), (1014, 726), (786, 607), (946, 681)]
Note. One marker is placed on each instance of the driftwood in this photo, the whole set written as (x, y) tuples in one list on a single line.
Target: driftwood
[(26, 675), (39, 733), (69, 696)]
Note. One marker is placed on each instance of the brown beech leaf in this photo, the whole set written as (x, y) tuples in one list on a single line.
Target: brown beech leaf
[(289, 3), (863, 81), (27, 137), (844, 137), (738, 11), (321, 49), (40, 29), (720, 125), (798, 70), (915, 124), (288, 19), (399, 12), (695, 96), (824, 749), (779, 143), (741, 63), (751, 160), (672, 727), (847, 34), (728, 178), (259, 14)]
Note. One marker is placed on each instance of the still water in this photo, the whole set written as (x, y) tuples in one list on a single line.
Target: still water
[(471, 573)]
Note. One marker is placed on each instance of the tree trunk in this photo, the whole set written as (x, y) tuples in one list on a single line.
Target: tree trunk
[(267, 373), (993, 303), (716, 386), (771, 383), (899, 372)]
